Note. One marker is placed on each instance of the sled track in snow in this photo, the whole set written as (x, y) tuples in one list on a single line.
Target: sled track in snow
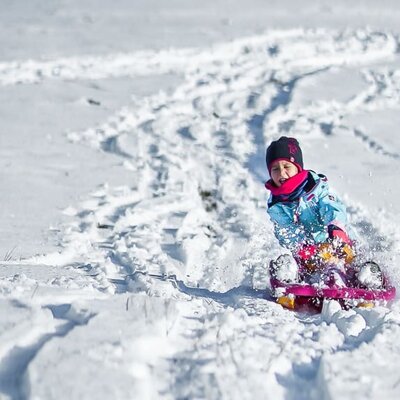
[(14, 376), (191, 226), (211, 108)]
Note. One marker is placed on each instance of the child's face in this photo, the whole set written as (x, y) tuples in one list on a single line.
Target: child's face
[(282, 170)]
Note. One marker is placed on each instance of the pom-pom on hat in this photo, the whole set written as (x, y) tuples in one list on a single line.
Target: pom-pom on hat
[(285, 148)]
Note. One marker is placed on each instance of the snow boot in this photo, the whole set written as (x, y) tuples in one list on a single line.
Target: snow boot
[(284, 269), (370, 275)]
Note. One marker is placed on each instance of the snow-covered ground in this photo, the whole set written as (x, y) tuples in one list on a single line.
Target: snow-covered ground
[(134, 237)]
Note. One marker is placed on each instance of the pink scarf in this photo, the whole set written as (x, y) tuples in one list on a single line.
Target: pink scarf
[(288, 186)]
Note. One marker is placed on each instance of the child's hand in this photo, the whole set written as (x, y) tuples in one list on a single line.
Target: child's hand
[(341, 244), (337, 234)]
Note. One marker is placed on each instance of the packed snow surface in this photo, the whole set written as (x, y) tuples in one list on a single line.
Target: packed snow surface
[(153, 283)]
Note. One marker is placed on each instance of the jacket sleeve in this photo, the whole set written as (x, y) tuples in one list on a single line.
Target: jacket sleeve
[(332, 210), (289, 234)]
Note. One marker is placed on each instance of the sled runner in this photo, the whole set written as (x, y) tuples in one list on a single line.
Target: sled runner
[(292, 295)]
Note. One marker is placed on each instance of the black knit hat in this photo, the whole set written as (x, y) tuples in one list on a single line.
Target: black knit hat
[(285, 148)]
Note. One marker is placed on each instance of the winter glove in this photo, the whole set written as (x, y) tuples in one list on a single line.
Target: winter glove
[(337, 234)]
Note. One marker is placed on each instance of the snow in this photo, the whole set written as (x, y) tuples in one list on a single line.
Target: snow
[(134, 237)]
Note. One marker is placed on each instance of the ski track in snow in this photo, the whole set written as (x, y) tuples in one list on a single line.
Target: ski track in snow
[(190, 228)]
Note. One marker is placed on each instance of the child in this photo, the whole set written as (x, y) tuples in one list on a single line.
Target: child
[(309, 220)]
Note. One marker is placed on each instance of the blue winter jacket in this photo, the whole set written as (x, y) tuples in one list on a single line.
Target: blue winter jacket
[(305, 220)]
